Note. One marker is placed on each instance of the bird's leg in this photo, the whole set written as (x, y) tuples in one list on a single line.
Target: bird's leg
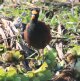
[(41, 53), (38, 53)]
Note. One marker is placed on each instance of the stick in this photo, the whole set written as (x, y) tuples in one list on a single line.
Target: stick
[(59, 46), (31, 55), (76, 38)]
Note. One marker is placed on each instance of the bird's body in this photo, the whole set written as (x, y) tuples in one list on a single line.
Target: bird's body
[(37, 34)]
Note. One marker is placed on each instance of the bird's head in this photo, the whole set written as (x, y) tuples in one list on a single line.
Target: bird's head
[(35, 14)]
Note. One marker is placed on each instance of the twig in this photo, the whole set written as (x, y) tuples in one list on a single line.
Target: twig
[(59, 46), (78, 38), (59, 38), (31, 55)]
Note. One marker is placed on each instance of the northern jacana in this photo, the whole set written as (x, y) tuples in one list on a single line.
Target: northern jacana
[(37, 33)]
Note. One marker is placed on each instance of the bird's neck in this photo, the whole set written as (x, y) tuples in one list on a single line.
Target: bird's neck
[(34, 21)]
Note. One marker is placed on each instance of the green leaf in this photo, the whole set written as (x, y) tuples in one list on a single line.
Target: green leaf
[(45, 75), (18, 79), (21, 69), (11, 71), (2, 48), (36, 79), (2, 73), (42, 68), (77, 49), (17, 55), (41, 76), (50, 56), (48, 74), (21, 77), (54, 21), (30, 74)]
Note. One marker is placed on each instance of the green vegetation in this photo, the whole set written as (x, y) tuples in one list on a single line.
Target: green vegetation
[(16, 71)]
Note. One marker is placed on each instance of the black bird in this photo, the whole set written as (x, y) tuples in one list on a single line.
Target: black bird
[(37, 33)]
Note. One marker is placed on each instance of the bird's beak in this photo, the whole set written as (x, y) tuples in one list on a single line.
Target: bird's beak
[(32, 17)]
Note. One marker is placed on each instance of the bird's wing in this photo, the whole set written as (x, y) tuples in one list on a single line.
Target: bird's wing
[(26, 34)]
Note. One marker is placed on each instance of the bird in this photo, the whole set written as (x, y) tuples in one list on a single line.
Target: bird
[(37, 33)]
